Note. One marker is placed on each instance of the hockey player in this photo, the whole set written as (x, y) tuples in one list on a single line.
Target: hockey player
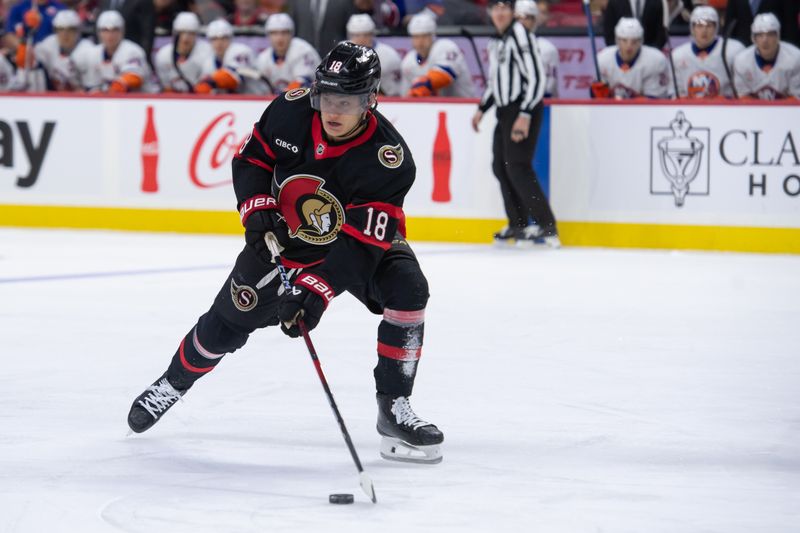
[(117, 65), (770, 68), (7, 73), (221, 72), (435, 67), (63, 60), (361, 31), (179, 64), (289, 62), (527, 12), (326, 174), (698, 64), (630, 69)]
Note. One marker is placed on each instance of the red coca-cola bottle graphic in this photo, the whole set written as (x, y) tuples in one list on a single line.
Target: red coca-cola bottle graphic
[(441, 162), (150, 154)]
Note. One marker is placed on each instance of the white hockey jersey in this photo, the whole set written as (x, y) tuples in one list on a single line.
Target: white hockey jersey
[(297, 67), (446, 56), (391, 75), (701, 73), (648, 75), (781, 79), (549, 55), (191, 68), (68, 72), (7, 74), (129, 58), (237, 56)]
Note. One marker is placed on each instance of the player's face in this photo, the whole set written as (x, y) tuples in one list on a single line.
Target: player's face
[(628, 48), (502, 16), (280, 41), (341, 113), (704, 33), (220, 45), (67, 37), (422, 43), (767, 44), (110, 37), (528, 22), (361, 39), (186, 40)]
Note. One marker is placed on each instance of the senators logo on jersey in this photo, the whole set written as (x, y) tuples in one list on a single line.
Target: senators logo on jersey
[(313, 214)]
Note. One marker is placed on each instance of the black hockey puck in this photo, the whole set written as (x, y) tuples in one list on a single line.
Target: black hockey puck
[(340, 498)]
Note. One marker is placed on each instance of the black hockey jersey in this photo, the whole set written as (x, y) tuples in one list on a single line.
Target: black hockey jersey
[(342, 202)]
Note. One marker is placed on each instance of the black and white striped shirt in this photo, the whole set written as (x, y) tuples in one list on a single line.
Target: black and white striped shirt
[(515, 71)]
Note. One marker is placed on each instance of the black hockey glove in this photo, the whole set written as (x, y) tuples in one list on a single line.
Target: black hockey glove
[(307, 300), (260, 216)]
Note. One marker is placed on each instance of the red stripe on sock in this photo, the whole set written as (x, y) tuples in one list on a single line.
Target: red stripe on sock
[(400, 354), (188, 366)]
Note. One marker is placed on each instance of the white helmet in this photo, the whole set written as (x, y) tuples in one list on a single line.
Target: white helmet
[(704, 14), (110, 20), (421, 24), (66, 18), (360, 24), (628, 28), (186, 21), (765, 23), (526, 8), (219, 28), (279, 22)]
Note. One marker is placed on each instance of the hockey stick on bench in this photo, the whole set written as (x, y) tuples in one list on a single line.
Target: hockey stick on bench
[(365, 481)]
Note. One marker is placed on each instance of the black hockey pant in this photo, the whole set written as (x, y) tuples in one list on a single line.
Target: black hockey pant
[(523, 198), (249, 300)]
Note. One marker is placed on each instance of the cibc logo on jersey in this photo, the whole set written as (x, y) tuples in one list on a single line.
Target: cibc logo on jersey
[(313, 214), (679, 159)]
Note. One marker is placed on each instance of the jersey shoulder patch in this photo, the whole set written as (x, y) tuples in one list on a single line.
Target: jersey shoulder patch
[(296, 94), (391, 156)]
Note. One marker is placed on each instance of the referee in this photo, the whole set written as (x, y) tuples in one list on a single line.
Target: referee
[(516, 86)]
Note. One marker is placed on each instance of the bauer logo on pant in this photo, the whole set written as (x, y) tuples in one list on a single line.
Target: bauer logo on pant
[(678, 159), (244, 297)]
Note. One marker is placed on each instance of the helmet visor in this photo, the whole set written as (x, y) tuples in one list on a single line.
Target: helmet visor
[(340, 104)]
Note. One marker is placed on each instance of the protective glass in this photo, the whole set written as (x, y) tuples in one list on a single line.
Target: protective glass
[(341, 104)]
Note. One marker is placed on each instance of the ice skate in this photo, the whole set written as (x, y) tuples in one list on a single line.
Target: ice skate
[(505, 237), (406, 437), (536, 235), (150, 405)]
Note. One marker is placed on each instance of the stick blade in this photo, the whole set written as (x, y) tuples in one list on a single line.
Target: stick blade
[(368, 487)]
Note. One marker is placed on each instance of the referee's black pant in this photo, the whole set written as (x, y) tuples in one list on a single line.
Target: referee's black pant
[(525, 203)]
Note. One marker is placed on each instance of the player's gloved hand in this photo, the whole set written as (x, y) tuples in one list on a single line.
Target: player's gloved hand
[(204, 87), (308, 299), (421, 87), (600, 89), (259, 216), (32, 19), (117, 87)]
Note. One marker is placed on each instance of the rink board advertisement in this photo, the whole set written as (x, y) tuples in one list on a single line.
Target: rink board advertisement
[(135, 155), (688, 176)]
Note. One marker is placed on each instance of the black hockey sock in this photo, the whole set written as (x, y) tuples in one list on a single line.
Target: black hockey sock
[(399, 348), (191, 362)]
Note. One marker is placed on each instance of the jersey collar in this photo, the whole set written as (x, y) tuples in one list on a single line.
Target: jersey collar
[(762, 63), (620, 62), (707, 50), (323, 150)]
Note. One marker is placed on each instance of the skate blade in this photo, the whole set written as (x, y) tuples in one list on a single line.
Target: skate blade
[(393, 449)]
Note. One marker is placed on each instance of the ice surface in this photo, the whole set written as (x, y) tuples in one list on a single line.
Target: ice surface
[(580, 390)]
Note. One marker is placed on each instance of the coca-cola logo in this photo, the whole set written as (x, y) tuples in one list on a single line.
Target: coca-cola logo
[(215, 147)]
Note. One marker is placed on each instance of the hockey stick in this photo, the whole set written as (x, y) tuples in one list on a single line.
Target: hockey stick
[(175, 63), (254, 74), (468, 34), (725, 64), (590, 30), (667, 22), (365, 481)]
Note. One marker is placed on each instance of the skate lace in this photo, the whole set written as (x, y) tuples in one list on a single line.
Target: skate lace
[(403, 413), (162, 396)]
